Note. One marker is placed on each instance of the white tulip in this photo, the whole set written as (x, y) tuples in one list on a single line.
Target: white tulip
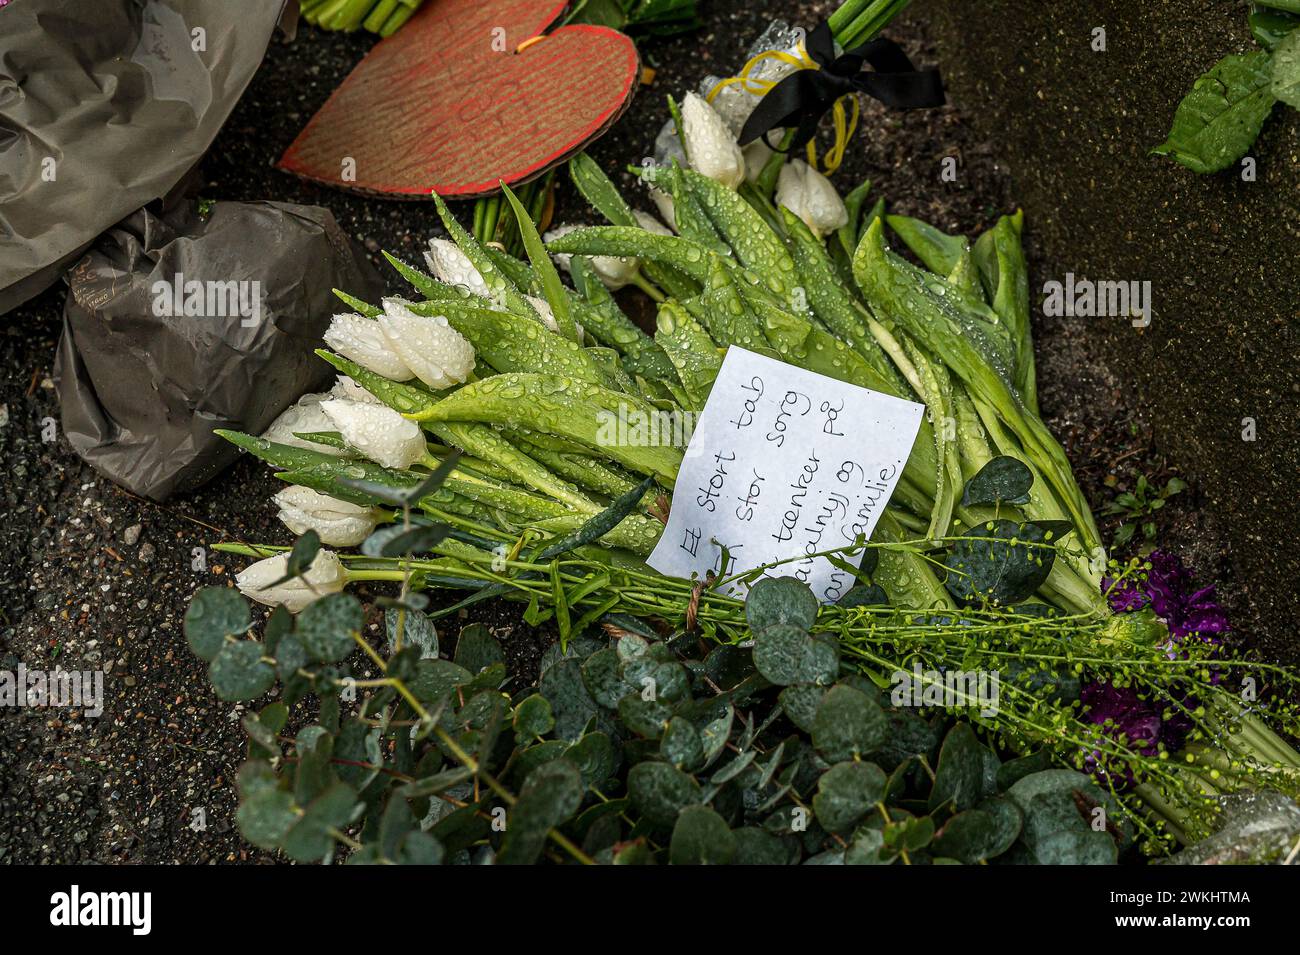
[(377, 431), (756, 154), (543, 310), (449, 264), (258, 582), (648, 222), (435, 352), (338, 523), (614, 271), (810, 196), (305, 417), (363, 341), (711, 148), (664, 203), (349, 390)]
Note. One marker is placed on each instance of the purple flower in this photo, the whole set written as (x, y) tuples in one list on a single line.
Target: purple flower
[(1167, 588), (1190, 613)]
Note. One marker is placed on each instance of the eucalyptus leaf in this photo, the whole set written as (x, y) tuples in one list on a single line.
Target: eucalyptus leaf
[(214, 614)]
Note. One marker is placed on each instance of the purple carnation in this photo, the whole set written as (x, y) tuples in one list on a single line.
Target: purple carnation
[(1190, 613)]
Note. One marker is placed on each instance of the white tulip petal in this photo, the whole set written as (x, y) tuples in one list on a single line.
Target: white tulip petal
[(614, 271), (377, 431), (305, 417), (449, 264), (648, 222), (544, 312), (711, 148), (757, 154), (362, 340), (439, 355), (809, 195), (664, 203), (338, 523), (349, 390), (258, 582)]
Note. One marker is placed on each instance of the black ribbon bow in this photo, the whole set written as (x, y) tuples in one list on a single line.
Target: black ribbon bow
[(804, 97)]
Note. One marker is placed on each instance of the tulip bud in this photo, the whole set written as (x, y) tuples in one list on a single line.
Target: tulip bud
[(305, 417), (338, 523), (377, 431), (349, 390), (613, 271), (664, 203), (259, 581), (756, 155), (810, 196), (439, 355), (449, 264), (543, 310), (709, 144), (363, 341), (648, 222)]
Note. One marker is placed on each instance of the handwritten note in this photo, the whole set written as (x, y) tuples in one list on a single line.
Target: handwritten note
[(784, 464)]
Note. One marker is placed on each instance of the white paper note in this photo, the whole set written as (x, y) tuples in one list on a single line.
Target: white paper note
[(784, 463)]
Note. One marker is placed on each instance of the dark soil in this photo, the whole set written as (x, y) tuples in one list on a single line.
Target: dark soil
[(1075, 125), (96, 578)]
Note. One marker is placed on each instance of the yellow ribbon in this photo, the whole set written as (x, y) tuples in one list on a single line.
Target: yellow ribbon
[(845, 119)]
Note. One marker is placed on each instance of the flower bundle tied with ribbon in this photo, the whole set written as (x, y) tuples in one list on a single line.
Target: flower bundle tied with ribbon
[(825, 82)]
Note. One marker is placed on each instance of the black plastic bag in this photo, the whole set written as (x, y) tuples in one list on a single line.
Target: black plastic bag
[(178, 324), (105, 105)]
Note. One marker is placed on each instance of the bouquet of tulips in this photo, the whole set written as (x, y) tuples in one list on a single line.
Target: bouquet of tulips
[(464, 446)]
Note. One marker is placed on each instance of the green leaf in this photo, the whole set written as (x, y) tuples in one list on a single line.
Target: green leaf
[(863, 595), (310, 839), (1220, 119), (701, 837), (937, 250), (477, 649), (780, 600), (959, 777), (600, 191), (1271, 27), (1077, 848), (681, 744), (800, 704), (562, 685), (533, 717), (846, 792), (416, 629), (1285, 77), (1000, 562), (598, 526), (786, 654), (1061, 800), (660, 792), (240, 672), (214, 614), (848, 724), (755, 846), (326, 627), (265, 817), (977, 834), (551, 794), (552, 287), (595, 757), (1003, 480)]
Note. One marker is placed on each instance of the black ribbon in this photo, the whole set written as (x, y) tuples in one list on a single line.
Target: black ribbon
[(805, 96)]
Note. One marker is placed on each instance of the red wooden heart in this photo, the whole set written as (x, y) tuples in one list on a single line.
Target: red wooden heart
[(450, 103)]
